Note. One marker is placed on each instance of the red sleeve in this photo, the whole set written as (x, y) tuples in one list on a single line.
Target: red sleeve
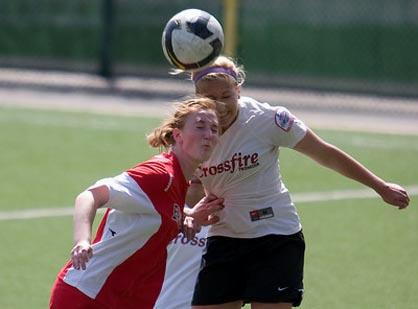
[(151, 176)]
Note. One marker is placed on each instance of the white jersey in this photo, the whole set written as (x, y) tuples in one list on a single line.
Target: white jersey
[(183, 264), (244, 170)]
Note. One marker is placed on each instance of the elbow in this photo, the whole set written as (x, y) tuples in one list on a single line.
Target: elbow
[(86, 200), (82, 198)]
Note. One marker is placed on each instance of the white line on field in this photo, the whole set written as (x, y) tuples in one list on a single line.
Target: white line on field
[(310, 197), (37, 213), (307, 197)]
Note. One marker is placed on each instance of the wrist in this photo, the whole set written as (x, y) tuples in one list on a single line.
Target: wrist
[(85, 242), (194, 180), (379, 186), (187, 212)]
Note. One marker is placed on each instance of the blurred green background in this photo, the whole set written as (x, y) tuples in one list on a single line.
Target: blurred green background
[(361, 253), (348, 45)]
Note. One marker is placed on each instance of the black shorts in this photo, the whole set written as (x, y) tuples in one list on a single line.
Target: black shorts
[(266, 269)]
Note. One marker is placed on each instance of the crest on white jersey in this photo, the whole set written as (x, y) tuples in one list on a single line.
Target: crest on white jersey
[(283, 120)]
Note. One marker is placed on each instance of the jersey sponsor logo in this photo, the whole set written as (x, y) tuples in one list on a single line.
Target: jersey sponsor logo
[(177, 215), (195, 241), (284, 120), (260, 214), (238, 162)]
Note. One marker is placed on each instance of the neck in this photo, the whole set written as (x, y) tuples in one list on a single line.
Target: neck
[(188, 165), (232, 122)]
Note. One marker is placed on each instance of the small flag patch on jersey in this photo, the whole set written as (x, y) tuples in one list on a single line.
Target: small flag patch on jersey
[(260, 214), (283, 120)]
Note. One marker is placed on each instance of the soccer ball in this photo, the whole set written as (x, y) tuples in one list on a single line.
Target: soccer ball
[(192, 39)]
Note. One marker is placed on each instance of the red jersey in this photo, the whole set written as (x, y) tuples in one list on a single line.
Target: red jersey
[(129, 251)]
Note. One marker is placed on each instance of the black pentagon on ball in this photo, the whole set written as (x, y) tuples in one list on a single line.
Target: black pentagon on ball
[(200, 27)]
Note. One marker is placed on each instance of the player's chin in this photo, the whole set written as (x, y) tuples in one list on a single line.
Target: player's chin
[(226, 121), (206, 153)]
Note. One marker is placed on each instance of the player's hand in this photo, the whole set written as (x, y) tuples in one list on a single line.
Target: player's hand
[(395, 195), (204, 212), (190, 227), (81, 254)]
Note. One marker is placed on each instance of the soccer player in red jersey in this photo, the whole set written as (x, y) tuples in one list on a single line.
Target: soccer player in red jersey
[(124, 266)]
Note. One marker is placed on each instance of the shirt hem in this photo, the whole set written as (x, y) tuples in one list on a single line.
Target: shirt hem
[(255, 235)]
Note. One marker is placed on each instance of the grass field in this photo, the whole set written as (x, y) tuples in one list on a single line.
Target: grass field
[(361, 253)]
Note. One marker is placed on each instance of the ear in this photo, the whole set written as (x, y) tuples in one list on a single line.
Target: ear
[(238, 92), (177, 136)]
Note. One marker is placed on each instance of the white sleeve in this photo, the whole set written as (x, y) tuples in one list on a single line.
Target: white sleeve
[(280, 127), (125, 194)]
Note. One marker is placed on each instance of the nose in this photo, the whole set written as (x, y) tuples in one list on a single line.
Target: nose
[(209, 134), (221, 108)]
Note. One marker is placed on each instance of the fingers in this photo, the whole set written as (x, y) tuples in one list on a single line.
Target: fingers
[(215, 204), (211, 197), (401, 202), (395, 195), (189, 233), (188, 222), (190, 228), (213, 219), (206, 207), (80, 255)]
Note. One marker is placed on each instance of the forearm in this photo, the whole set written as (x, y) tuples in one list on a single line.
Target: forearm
[(84, 213), (334, 158), (346, 165), (204, 212), (195, 192)]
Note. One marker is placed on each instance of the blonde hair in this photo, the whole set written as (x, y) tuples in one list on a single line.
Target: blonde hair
[(162, 136), (228, 63)]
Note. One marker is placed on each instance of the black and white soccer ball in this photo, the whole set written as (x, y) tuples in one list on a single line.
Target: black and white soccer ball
[(192, 39)]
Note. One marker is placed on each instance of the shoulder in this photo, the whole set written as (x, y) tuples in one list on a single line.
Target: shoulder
[(262, 112), (157, 172), (250, 104), (273, 124), (149, 168), (255, 107)]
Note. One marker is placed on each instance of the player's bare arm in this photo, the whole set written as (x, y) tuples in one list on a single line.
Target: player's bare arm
[(86, 205), (204, 212), (195, 192), (334, 158)]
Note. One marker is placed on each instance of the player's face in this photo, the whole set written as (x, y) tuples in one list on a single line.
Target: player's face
[(199, 135), (222, 90)]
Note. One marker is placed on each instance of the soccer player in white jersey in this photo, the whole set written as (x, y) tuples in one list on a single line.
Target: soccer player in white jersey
[(124, 266), (183, 261), (255, 253)]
